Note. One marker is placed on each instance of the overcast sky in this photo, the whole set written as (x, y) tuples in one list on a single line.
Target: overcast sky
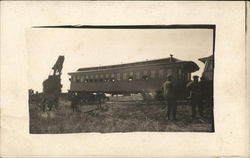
[(95, 47)]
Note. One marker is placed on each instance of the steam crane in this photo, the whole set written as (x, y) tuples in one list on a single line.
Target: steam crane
[(52, 86)]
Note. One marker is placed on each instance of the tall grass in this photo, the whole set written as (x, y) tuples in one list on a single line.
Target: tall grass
[(116, 117)]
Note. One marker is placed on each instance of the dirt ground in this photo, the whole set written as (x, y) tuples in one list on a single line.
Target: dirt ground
[(135, 116)]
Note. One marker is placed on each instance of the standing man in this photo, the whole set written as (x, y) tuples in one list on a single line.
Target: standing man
[(195, 96), (100, 99), (169, 98), (204, 94), (74, 101)]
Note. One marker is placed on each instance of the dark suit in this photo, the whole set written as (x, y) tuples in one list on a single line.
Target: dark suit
[(170, 99), (196, 98)]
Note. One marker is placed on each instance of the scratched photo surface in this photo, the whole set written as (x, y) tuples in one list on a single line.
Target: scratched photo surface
[(120, 80)]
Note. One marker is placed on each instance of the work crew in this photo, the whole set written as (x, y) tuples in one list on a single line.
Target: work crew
[(195, 96), (169, 98)]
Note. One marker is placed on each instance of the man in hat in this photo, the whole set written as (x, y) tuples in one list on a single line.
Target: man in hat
[(195, 96), (169, 98)]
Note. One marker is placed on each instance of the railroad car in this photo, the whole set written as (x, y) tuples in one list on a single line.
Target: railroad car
[(138, 77), (207, 76), (209, 67)]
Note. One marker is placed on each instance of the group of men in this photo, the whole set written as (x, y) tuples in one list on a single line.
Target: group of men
[(195, 89)]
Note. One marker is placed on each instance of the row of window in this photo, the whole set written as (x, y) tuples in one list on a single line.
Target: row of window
[(112, 77)]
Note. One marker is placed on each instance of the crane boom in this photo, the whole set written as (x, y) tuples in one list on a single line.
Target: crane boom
[(52, 86), (58, 66)]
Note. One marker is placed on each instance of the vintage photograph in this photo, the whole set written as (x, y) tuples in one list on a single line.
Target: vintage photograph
[(122, 78)]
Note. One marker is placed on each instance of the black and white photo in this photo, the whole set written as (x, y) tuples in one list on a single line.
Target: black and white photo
[(137, 78)]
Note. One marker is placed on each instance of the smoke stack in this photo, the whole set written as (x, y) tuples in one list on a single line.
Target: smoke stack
[(171, 58)]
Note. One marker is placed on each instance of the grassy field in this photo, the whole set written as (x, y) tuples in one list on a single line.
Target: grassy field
[(135, 116)]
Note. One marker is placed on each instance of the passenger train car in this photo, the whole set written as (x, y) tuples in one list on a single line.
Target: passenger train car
[(138, 77)]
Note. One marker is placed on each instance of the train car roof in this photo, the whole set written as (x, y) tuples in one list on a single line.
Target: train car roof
[(206, 58), (163, 60), (191, 66)]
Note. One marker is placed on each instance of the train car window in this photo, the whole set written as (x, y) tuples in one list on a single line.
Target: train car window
[(161, 73), (73, 79), (145, 75), (77, 78), (179, 73), (112, 79), (91, 76), (124, 76), (82, 78), (118, 77), (152, 74), (87, 76), (96, 76), (106, 78), (131, 76), (101, 76), (137, 75)]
